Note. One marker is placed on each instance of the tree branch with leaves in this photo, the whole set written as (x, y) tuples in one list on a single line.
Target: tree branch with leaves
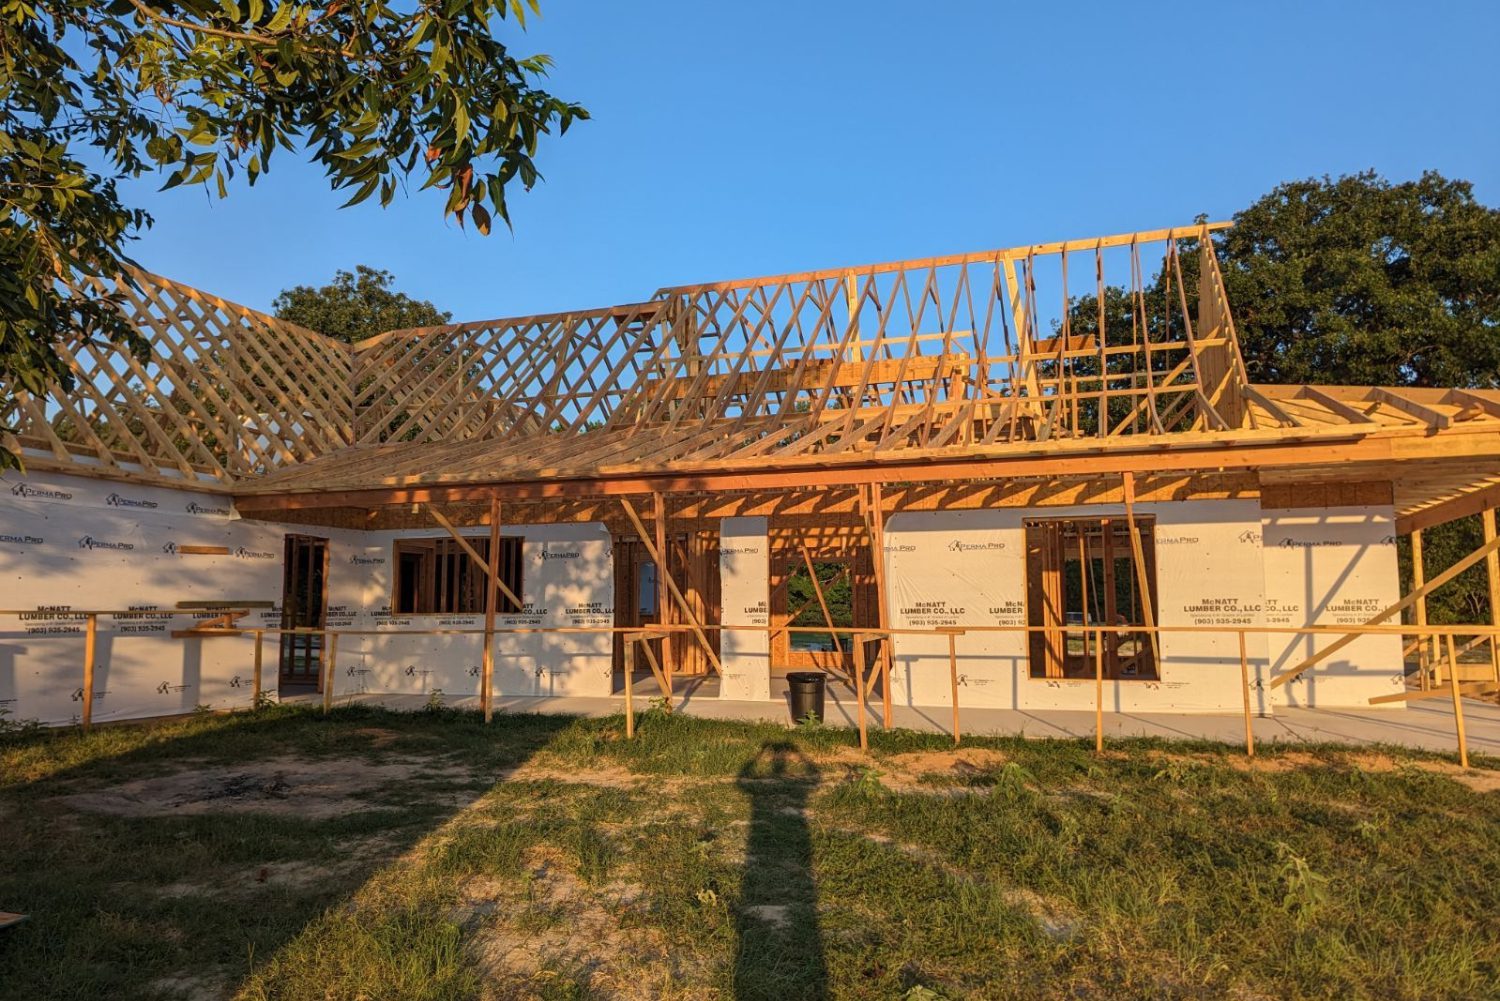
[(207, 92)]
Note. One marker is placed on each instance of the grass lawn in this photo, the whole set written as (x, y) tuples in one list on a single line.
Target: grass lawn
[(376, 855)]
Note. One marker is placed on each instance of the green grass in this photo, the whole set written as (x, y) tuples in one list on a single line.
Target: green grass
[(711, 859)]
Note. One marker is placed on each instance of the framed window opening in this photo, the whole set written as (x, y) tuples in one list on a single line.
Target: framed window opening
[(1081, 573), (437, 577), (834, 582)]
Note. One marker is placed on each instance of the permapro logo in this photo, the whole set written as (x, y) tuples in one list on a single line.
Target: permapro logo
[(91, 543), (27, 490), (21, 540), (252, 554), (119, 500), (193, 507), (960, 546), (366, 561)]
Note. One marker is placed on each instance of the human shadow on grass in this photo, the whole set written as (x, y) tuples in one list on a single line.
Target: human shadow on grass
[(129, 900), (780, 951)]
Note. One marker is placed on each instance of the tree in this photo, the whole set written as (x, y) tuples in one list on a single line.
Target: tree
[(355, 306), (205, 91), (1359, 281)]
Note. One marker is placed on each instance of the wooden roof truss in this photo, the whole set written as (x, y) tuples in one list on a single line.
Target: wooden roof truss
[(1065, 349)]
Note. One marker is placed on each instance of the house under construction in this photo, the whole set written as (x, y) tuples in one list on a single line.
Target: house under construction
[(1013, 478)]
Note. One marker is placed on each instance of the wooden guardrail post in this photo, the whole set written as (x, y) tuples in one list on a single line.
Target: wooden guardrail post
[(629, 685), (1458, 704), (1098, 689), (90, 647), (1245, 691), (330, 654), (953, 679), (260, 642), (859, 689)]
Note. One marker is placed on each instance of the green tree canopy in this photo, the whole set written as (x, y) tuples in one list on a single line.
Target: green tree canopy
[(207, 91), (356, 305), (1363, 282)]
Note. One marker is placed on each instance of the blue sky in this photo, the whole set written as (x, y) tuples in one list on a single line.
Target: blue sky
[(732, 140)]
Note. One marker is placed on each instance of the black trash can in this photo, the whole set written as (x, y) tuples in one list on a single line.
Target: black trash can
[(807, 692)]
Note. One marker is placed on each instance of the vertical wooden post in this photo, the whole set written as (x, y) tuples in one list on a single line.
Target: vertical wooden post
[(1492, 568), (1245, 691), (859, 689), (953, 679), (1098, 688), (1425, 668), (491, 607), (629, 686), (1142, 578), (1458, 704), (90, 647), (260, 651), (663, 598), (330, 656), (877, 518)]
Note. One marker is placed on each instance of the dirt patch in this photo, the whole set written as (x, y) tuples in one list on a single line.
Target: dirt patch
[(914, 771), (970, 760), (603, 776), (378, 736), (1478, 779), (315, 790), (553, 927), (1281, 762)]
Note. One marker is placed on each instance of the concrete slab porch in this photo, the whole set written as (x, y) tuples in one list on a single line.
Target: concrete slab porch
[(1425, 725)]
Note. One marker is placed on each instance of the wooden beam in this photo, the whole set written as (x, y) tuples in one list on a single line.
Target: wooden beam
[(1470, 688), (979, 257), (1183, 453), (1396, 609)]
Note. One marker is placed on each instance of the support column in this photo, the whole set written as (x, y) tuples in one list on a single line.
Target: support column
[(1419, 611), (491, 602), (1492, 568), (877, 541), (663, 598)]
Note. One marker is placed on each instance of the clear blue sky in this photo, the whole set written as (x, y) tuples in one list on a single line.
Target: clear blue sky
[(732, 140)]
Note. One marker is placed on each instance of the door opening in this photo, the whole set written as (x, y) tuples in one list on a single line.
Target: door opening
[(304, 605), (1083, 572)]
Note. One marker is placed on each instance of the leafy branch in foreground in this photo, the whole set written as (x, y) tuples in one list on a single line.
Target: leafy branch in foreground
[(205, 91)]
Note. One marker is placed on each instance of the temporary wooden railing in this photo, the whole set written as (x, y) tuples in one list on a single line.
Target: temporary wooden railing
[(865, 671)]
